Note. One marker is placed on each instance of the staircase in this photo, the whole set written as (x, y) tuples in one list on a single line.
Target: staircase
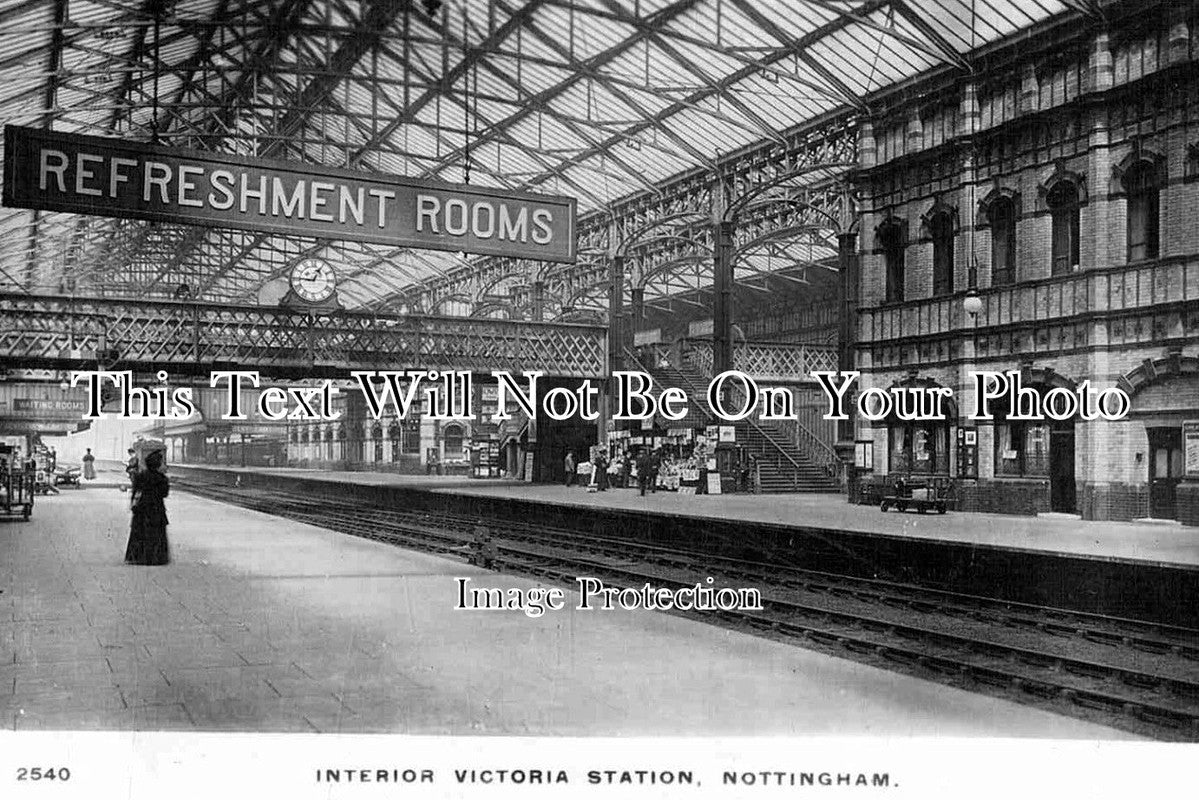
[(782, 465)]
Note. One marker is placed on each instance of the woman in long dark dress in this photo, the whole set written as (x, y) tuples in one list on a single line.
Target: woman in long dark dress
[(148, 529)]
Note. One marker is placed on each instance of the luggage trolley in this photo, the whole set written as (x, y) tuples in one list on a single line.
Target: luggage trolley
[(930, 495), (16, 485)]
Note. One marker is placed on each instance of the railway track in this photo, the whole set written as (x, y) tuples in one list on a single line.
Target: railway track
[(1137, 676)]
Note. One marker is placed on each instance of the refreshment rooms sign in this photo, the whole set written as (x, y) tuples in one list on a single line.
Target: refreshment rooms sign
[(55, 171)]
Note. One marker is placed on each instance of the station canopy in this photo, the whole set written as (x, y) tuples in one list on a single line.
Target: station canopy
[(597, 99)]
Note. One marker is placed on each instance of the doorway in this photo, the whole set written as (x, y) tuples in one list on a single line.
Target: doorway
[(1165, 471), (1061, 468)]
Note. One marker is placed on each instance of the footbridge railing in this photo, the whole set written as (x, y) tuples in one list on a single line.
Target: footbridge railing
[(59, 332)]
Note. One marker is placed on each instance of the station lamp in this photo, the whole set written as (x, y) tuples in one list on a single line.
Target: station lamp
[(972, 304)]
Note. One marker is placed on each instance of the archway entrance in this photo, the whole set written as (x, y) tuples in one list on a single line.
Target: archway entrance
[(1165, 471)]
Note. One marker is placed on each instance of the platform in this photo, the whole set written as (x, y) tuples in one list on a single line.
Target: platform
[(261, 624), (1148, 542), (1143, 572)]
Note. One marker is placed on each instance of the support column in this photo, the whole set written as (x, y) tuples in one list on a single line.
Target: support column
[(615, 344), (1107, 221), (615, 311), (638, 314), (722, 300), (847, 257), (538, 301)]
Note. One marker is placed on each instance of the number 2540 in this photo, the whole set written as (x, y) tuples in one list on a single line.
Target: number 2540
[(39, 774)]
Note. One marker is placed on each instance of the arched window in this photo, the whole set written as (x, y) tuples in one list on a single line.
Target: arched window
[(920, 448), (941, 228), (1142, 186), (1003, 242), (452, 435), (890, 239), (410, 438), (377, 439), (1063, 205), (1021, 446)]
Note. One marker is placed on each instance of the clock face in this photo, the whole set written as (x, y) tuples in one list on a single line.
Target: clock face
[(313, 280)]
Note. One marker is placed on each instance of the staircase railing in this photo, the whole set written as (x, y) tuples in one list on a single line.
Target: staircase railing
[(819, 450), (822, 454), (779, 450)]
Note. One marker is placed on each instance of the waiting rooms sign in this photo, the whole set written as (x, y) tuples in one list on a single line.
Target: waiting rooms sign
[(55, 171)]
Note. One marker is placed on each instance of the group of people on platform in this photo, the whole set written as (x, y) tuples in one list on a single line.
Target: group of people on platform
[(603, 477)]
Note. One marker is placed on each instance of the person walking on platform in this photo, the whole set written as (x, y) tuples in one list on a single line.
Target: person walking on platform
[(89, 465), (148, 528), (655, 464), (569, 463), (644, 468)]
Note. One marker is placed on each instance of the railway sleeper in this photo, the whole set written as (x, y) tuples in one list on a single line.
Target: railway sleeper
[(1039, 689), (1166, 717), (1098, 702), (1088, 670)]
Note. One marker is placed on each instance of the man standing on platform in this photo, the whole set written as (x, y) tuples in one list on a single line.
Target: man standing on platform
[(601, 471), (569, 463), (655, 464), (644, 467)]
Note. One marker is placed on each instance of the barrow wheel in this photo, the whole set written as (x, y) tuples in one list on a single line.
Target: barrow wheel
[(902, 506), (883, 506)]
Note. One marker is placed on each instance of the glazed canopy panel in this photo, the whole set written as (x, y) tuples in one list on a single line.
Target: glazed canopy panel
[(599, 100)]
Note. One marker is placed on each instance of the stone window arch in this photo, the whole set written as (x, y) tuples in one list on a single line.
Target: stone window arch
[(891, 238), (1064, 201), (940, 223)]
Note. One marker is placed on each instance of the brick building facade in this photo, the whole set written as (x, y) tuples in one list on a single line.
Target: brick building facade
[(1060, 185)]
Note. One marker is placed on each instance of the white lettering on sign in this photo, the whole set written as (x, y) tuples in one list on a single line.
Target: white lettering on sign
[(57, 171), (483, 219), (58, 168)]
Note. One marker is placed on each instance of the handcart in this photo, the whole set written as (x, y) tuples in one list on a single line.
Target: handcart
[(921, 496), (67, 476), (16, 486), (43, 464)]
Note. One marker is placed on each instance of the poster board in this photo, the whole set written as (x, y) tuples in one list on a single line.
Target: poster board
[(967, 453), (713, 483), (528, 473), (863, 455), (1190, 449)]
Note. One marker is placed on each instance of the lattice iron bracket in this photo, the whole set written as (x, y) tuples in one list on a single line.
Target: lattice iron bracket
[(56, 332)]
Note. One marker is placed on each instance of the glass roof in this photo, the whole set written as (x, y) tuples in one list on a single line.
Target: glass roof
[(597, 99)]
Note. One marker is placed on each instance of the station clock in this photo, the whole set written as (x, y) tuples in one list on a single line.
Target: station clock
[(313, 280)]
